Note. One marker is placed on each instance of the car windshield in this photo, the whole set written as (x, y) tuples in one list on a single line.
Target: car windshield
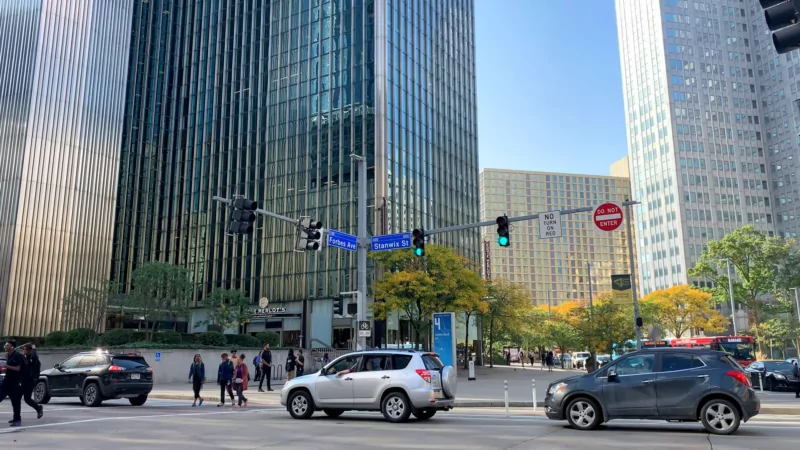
[(603, 358), (432, 362), (776, 366), (742, 352), (582, 355)]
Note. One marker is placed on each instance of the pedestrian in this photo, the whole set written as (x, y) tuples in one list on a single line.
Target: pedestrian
[(240, 381), (531, 357), (266, 368), (508, 358), (301, 364), (197, 373), (257, 366), (796, 373), (30, 376), (234, 359), (325, 359), (224, 378), (289, 367), (549, 360), (12, 383), (543, 357)]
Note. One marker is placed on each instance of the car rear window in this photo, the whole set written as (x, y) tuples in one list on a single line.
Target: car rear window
[(432, 362), (731, 362), (129, 362), (400, 362)]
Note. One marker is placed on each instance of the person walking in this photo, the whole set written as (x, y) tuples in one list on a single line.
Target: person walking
[(30, 376), (796, 373), (301, 364), (197, 373), (12, 383), (257, 366), (549, 360), (266, 368), (240, 381), (325, 359), (531, 357), (225, 378), (290, 363)]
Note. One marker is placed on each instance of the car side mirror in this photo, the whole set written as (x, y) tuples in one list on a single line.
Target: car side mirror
[(57, 367), (612, 374)]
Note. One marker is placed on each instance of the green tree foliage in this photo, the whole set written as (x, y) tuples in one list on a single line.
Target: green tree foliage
[(88, 306), (269, 337), (117, 336), (442, 281), (160, 291), (683, 308), (508, 307), (227, 308)]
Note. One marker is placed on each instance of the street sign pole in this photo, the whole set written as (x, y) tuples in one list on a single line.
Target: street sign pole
[(637, 317), (363, 242)]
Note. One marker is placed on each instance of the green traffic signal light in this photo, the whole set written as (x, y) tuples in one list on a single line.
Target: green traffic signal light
[(419, 251), (503, 241)]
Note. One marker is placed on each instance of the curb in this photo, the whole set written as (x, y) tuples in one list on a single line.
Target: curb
[(191, 397)]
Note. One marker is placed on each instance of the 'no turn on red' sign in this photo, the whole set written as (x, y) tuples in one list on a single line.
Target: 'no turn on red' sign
[(607, 217)]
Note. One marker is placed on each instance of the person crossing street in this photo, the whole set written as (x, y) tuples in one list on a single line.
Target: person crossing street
[(30, 376), (12, 383)]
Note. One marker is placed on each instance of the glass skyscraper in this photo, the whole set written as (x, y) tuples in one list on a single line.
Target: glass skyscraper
[(63, 65), (268, 99)]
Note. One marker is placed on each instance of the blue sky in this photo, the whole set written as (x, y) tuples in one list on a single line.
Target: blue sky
[(549, 85)]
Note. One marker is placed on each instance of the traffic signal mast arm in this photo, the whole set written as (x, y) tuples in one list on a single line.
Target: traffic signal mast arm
[(229, 202)]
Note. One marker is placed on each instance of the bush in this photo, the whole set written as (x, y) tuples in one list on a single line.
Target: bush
[(81, 336), (268, 337), (116, 336), (167, 337), (56, 339), (212, 338), (242, 341)]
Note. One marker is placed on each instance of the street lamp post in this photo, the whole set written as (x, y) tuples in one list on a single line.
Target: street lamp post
[(730, 292), (797, 303)]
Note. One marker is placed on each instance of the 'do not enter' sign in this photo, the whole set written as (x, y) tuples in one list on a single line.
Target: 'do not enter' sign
[(607, 217)]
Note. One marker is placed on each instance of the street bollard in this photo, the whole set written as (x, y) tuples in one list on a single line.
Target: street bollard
[(471, 376), (505, 388), (533, 383), (760, 382)]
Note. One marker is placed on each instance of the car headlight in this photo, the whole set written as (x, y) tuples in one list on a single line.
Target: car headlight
[(778, 376), (558, 387)]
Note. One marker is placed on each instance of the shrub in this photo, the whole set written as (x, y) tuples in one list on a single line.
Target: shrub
[(80, 336), (167, 337), (212, 338), (242, 340), (116, 336), (268, 337), (56, 339)]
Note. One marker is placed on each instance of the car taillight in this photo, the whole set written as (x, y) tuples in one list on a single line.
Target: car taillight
[(739, 376), (2, 369), (116, 369), (149, 369), (424, 374)]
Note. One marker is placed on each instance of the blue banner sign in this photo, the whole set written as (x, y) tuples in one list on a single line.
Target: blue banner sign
[(342, 240), (391, 242), (444, 337)]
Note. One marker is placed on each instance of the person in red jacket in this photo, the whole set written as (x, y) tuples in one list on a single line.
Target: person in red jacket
[(240, 378)]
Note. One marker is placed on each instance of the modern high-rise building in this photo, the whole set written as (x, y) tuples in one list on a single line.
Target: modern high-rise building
[(268, 99), (63, 67), (703, 107), (557, 269)]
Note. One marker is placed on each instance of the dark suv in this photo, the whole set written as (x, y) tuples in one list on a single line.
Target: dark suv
[(97, 376), (680, 384)]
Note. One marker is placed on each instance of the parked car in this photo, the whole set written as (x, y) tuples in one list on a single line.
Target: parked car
[(397, 383), (680, 384), (97, 376), (775, 375), (602, 360)]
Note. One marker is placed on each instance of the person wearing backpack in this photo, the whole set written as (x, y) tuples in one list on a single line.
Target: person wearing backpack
[(257, 366), (290, 363)]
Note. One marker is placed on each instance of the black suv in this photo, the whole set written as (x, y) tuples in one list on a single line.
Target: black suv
[(97, 376), (680, 384)]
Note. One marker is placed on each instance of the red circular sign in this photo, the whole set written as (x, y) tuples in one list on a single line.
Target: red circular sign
[(607, 217)]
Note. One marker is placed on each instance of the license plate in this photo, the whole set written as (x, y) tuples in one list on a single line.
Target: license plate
[(134, 376), (436, 382), (437, 394)]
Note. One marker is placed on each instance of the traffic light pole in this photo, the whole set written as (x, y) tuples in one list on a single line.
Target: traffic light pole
[(363, 244)]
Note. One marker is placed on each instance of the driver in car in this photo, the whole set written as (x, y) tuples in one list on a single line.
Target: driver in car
[(349, 370)]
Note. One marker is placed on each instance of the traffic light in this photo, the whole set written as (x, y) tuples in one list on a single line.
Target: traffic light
[(419, 241), (503, 238), (782, 19), (309, 235), (243, 216), (338, 306)]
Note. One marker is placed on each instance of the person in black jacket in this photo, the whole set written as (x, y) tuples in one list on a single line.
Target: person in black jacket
[(225, 379), (12, 383), (266, 368), (796, 373), (30, 376)]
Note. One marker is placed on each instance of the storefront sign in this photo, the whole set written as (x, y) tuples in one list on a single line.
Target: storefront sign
[(263, 313)]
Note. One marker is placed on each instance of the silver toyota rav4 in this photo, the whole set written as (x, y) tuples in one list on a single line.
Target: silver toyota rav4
[(397, 383)]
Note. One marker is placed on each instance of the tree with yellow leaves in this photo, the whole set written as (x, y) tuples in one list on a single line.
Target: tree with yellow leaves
[(684, 308)]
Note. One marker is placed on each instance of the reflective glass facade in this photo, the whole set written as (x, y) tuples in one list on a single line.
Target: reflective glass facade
[(269, 99), (63, 66)]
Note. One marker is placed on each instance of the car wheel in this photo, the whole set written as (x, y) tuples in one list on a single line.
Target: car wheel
[(424, 414), (40, 395), (720, 417), (300, 405), (395, 407), (91, 395), (583, 414), (138, 401), (334, 413)]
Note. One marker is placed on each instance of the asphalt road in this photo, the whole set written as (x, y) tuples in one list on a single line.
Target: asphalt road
[(168, 424)]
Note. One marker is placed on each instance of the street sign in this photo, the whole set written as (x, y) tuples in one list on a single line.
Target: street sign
[(444, 337), (342, 240), (364, 328), (550, 225), (158, 356), (391, 242), (607, 217), (621, 289)]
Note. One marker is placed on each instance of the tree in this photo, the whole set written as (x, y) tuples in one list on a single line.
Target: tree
[(88, 307), (563, 334), (775, 329), (159, 290), (508, 306), (442, 281), (227, 308), (682, 308), (606, 325), (757, 261)]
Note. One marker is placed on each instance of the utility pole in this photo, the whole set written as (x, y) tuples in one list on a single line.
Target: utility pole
[(730, 292), (363, 243), (797, 303), (636, 315), (548, 304), (589, 275)]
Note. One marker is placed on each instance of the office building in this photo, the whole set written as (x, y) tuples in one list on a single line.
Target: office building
[(63, 65), (697, 110), (268, 99), (556, 268)]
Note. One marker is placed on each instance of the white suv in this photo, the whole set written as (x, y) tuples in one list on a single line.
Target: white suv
[(397, 383)]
